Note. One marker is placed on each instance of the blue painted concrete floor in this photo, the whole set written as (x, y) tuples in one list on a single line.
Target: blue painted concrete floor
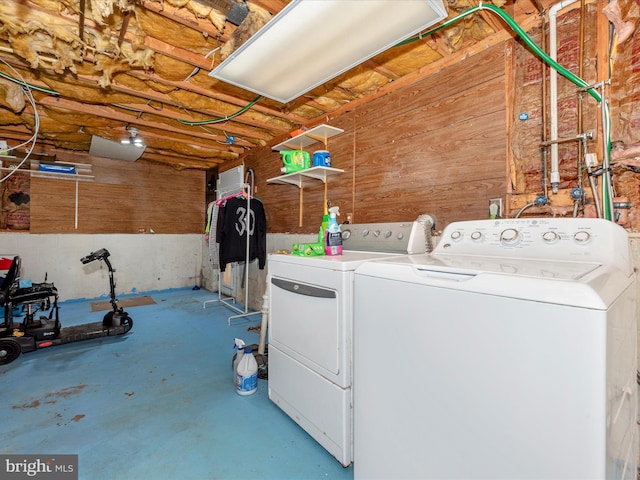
[(157, 403)]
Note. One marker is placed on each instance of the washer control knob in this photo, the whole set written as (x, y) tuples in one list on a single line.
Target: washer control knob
[(582, 236), (550, 237), (456, 235), (510, 236), (346, 234), (387, 234), (476, 236)]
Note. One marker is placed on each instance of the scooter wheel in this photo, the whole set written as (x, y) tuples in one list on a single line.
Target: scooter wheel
[(126, 322), (9, 350), (122, 320)]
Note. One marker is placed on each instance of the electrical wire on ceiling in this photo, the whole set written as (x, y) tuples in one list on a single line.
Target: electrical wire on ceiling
[(514, 26), (22, 83), (492, 8), (27, 91), (223, 119), (196, 70), (522, 34)]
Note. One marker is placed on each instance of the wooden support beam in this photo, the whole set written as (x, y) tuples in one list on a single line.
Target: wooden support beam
[(108, 113)]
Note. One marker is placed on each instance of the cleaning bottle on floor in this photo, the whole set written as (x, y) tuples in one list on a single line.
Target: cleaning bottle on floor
[(247, 374), (239, 348), (333, 242)]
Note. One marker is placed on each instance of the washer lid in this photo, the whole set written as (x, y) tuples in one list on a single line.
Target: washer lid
[(584, 285), (474, 265)]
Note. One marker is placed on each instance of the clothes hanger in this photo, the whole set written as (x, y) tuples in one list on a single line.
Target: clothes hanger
[(243, 194)]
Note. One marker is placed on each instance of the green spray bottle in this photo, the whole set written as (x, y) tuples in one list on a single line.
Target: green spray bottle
[(325, 223)]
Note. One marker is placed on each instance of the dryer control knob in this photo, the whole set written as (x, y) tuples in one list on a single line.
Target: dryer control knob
[(550, 237), (457, 235), (346, 234), (510, 236), (582, 236), (476, 236), (387, 234)]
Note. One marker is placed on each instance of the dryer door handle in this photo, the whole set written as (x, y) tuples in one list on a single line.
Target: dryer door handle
[(303, 289)]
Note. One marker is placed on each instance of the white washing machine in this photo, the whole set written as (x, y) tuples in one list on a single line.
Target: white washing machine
[(310, 329), (509, 352)]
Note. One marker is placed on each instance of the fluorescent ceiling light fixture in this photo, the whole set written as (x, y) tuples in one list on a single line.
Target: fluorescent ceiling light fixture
[(312, 41)]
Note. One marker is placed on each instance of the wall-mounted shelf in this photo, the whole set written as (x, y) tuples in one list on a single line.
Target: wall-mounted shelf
[(298, 178), (321, 133), (82, 170), (57, 176), (63, 176)]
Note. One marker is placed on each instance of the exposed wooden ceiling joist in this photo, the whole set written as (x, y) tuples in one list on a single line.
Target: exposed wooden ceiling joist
[(97, 63)]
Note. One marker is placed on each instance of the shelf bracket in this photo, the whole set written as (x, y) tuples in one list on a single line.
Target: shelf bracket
[(300, 207)]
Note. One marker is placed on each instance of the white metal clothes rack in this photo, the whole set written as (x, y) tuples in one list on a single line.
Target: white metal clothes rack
[(246, 189)]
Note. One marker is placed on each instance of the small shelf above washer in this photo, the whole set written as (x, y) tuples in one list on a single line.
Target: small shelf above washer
[(298, 178), (321, 133)]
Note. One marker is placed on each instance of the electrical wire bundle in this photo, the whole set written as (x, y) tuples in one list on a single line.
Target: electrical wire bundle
[(31, 142)]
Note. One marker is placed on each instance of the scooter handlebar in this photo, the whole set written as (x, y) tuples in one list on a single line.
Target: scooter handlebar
[(97, 255)]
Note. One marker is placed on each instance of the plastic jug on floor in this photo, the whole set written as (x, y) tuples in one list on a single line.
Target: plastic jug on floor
[(247, 374), (239, 347)]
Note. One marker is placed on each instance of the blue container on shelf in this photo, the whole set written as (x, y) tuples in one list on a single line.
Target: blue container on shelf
[(321, 158)]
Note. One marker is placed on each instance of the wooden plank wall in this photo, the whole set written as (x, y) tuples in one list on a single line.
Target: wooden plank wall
[(126, 197), (438, 146)]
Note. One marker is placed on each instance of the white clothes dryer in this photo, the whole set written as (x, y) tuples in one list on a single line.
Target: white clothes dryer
[(310, 329)]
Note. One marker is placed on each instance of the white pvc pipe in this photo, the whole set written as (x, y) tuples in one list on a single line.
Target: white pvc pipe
[(265, 321), (553, 93)]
